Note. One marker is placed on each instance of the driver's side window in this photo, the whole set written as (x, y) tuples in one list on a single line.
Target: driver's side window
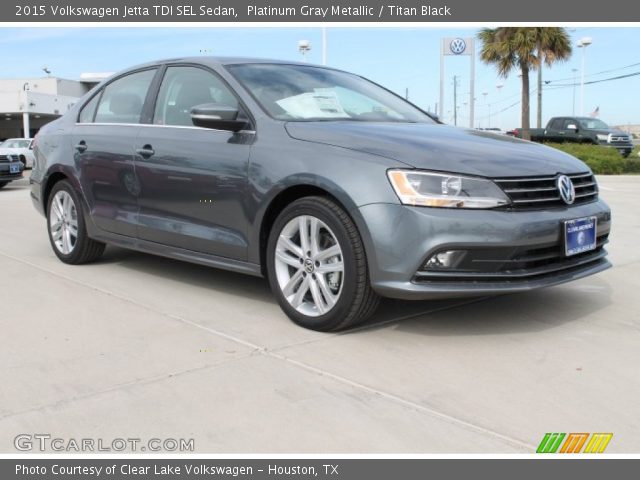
[(182, 89)]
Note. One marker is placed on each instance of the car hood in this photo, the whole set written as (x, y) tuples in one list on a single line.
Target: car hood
[(440, 147), (607, 131)]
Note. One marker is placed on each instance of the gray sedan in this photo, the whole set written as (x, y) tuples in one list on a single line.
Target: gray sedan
[(332, 187)]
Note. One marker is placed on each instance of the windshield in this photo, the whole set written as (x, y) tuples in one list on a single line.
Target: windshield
[(306, 93), (15, 144), (593, 124)]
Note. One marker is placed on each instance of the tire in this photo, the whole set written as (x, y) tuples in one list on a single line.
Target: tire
[(63, 219), (3, 184), (23, 160), (338, 293)]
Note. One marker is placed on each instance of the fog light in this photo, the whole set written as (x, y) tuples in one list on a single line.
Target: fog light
[(446, 260)]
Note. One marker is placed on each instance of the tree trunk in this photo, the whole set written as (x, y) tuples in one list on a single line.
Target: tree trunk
[(526, 125)]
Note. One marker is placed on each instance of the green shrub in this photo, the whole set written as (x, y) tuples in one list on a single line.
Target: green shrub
[(602, 160)]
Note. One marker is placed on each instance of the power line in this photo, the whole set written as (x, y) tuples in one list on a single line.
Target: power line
[(597, 73), (610, 79)]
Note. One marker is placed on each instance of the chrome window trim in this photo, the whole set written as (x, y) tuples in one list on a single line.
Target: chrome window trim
[(78, 124)]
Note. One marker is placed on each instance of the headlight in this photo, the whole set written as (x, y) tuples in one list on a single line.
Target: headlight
[(443, 190), (603, 137)]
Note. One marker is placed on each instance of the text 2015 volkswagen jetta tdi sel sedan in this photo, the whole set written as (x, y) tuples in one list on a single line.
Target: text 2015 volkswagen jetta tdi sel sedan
[(332, 187)]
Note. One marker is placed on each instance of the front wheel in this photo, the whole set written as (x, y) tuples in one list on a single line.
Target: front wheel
[(317, 267), (67, 229), (3, 184)]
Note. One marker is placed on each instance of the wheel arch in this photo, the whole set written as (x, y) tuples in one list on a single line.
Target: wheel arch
[(285, 197)]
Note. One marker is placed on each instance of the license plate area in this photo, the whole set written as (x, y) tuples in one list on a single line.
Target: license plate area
[(580, 235), (14, 168)]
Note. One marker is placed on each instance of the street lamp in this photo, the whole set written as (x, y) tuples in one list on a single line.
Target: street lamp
[(583, 43), (304, 47), (499, 87), (574, 70), (484, 94)]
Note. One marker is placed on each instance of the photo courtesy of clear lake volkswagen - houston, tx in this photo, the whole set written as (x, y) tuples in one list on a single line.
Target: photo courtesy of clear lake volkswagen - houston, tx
[(332, 187)]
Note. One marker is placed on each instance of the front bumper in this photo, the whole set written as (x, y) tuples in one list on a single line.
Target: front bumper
[(399, 239), (5, 171), (624, 148)]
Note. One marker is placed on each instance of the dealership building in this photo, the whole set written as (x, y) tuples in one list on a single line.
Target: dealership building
[(26, 104)]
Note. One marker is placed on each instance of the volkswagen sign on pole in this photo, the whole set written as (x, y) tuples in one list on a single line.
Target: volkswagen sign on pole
[(458, 46)]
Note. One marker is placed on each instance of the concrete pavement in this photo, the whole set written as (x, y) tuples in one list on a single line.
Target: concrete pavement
[(140, 346)]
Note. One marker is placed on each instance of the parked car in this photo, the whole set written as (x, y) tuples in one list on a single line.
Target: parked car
[(582, 130), (10, 169), (334, 188), (21, 147)]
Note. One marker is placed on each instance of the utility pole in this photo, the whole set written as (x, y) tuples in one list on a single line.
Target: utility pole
[(455, 100), (539, 113)]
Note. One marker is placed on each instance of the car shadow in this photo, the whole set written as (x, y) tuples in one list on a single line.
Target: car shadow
[(529, 312), (533, 311)]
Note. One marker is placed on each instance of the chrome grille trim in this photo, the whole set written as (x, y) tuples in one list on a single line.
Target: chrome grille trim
[(542, 192)]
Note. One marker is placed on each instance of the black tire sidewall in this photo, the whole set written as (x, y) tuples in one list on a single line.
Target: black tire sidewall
[(335, 316), (74, 256)]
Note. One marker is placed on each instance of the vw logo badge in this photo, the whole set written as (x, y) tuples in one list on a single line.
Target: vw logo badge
[(457, 46), (566, 189)]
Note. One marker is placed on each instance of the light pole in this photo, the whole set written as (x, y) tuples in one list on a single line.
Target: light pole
[(583, 43), (499, 87), (484, 94), (574, 70), (304, 47)]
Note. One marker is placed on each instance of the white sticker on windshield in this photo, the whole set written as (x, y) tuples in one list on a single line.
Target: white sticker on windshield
[(322, 103)]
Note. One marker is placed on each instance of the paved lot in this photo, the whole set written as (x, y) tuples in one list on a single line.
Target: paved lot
[(138, 346)]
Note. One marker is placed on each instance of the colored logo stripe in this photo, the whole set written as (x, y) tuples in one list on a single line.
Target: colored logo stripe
[(574, 443), (550, 443), (598, 442)]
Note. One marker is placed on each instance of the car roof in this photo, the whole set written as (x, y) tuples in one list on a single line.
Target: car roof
[(222, 61)]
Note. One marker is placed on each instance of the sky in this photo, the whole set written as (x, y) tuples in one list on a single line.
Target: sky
[(398, 58)]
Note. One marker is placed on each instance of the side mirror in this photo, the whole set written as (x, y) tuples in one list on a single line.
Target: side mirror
[(572, 126), (217, 116)]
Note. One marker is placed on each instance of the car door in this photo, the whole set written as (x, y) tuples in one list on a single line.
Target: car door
[(570, 130), (554, 131), (103, 141), (192, 180)]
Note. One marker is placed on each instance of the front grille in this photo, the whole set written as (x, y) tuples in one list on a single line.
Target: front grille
[(619, 139), (5, 159), (542, 192), (515, 264)]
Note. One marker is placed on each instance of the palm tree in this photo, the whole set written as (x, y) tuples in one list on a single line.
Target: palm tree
[(522, 48)]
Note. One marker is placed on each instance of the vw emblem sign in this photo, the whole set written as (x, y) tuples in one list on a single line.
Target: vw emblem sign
[(457, 46), (566, 189)]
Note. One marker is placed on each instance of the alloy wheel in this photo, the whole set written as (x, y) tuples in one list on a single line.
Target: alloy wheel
[(309, 265), (63, 222)]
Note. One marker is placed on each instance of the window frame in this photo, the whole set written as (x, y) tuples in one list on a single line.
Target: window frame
[(99, 93)]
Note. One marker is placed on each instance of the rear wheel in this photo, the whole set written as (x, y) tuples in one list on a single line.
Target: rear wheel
[(66, 227), (317, 267)]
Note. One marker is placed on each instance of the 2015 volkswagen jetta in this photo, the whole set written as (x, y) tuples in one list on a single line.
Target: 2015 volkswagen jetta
[(334, 188)]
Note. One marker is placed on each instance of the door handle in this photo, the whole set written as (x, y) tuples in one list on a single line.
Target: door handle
[(146, 151), (81, 146)]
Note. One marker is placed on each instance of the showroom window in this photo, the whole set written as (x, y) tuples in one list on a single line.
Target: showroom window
[(185, 87), (123, 99)]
